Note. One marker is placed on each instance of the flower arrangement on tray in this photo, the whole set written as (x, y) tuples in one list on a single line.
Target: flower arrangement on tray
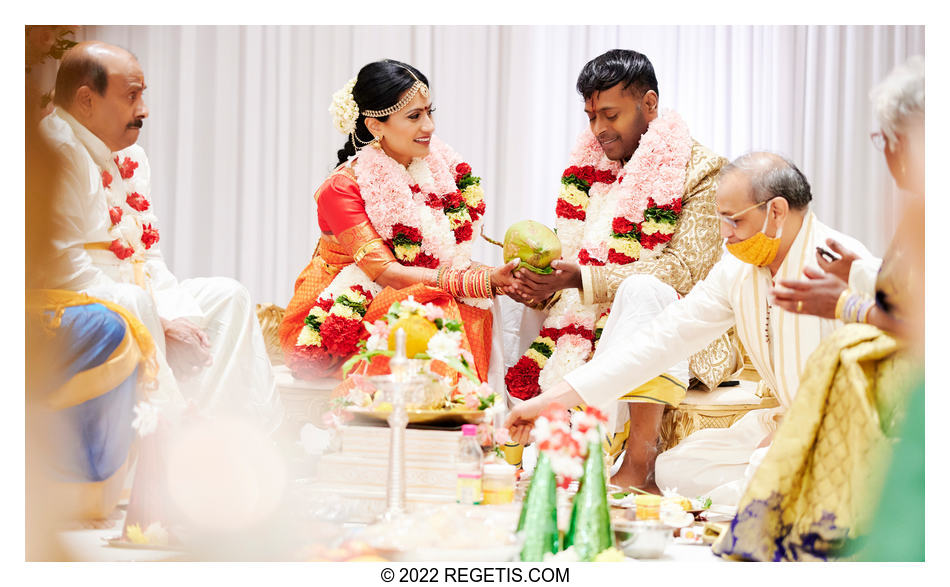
[(431, 339)]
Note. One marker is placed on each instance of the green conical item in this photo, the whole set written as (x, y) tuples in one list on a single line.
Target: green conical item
[(538, 519), (589, 531)]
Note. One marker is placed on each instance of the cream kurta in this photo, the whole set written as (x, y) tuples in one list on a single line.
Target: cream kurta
[(733, 294), (240, 377)]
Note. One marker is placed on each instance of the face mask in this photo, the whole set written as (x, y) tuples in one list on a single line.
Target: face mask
[(759, 249)]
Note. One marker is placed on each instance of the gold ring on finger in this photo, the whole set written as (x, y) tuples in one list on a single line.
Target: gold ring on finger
[(798, 307)]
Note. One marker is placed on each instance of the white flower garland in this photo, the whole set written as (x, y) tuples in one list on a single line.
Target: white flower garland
[(131, 227), (385, 189)]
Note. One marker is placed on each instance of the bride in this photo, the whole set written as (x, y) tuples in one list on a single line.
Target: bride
[(397, 218)]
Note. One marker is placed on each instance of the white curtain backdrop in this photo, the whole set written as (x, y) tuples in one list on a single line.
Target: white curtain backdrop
[(239, 135)]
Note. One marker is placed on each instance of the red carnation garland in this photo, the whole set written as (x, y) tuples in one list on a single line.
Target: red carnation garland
[(121, 251), (137, 204), (341, 335), (624, 201), (149, 236), (137, 201), (127, 167), (463, 233), (565, 209), (522, 379)]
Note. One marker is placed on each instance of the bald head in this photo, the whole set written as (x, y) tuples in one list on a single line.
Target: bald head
[(769, 176), (101, 86), (87, 64)]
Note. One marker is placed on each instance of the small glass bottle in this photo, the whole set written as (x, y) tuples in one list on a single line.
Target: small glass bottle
[(468, 467)]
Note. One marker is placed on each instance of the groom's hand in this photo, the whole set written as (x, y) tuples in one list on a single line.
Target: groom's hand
[(532, 288)]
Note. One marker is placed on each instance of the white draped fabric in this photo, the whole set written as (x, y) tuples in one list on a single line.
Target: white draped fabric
[(239, 135)]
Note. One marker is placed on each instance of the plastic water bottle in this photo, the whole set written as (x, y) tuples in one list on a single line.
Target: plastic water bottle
[(468, 467)]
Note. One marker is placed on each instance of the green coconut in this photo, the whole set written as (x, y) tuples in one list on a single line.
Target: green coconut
[(534, 243)]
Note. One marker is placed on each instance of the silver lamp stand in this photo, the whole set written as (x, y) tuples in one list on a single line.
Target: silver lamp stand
[(397, 386)]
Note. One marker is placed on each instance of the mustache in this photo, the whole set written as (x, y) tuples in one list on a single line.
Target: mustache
[(137, 123)]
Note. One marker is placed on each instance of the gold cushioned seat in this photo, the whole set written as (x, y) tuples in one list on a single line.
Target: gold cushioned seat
[(719, 408)]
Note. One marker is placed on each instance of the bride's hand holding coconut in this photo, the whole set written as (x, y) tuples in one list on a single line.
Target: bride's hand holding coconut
[(502, 277)]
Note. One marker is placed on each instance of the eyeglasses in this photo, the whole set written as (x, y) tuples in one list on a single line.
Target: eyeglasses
[(878, 140), (731, 220)]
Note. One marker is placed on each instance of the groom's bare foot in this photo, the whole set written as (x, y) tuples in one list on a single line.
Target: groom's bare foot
[(627, 479), (639, 458)]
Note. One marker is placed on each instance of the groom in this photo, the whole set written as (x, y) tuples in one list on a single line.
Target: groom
[(638, 200)]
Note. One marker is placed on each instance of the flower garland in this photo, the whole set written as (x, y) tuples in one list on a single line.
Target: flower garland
[(428, 215), (334, 329), (131, 223), (605, 214)]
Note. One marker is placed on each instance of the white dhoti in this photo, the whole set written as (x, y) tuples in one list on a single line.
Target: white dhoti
[(239, 381), (717, 462), (639, 299), (496, 361)]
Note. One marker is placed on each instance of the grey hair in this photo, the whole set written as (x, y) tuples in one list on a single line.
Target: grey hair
[(899, 96), (772, 176)]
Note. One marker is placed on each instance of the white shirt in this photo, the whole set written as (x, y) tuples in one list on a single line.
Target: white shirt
[(81, 217)]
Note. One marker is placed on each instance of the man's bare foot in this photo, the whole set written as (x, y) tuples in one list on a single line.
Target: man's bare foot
[(639, 457), (626, 479)]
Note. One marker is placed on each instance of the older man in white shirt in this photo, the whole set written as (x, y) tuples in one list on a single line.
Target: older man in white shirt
[(770, 233), (211, 351)]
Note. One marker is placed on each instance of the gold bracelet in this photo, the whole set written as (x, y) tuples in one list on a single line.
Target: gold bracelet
[(840, 305)]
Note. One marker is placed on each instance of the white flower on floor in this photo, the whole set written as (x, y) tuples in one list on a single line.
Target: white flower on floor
[(156, 534), (146, 418)]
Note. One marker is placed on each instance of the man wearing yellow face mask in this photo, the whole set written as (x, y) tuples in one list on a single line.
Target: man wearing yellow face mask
[(770, 233)]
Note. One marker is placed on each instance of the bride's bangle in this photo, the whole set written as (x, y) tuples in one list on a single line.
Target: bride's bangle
[(467, 283)]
